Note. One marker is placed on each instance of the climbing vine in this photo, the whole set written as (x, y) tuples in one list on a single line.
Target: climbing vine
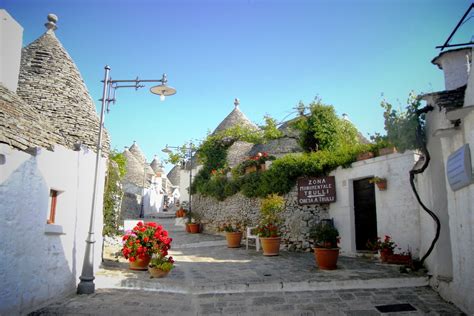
[(401, 125), (328, 142), (322, 129), (113, 192)]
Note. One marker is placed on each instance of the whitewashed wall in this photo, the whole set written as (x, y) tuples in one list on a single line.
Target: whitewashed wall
[(397, 209), (452, 261), (184, 182), (42, 262), (11, 34)]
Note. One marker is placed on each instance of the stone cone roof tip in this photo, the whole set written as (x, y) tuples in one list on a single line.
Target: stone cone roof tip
[(137, 152), (236, 117), (135, 169), (156, 165), (50, 81), (140, 157)]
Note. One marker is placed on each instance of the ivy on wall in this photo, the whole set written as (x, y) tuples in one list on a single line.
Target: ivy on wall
[(113, 192), (328, 142)]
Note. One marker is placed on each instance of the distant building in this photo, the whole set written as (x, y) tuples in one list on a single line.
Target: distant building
[(145, 185), (48, 135)]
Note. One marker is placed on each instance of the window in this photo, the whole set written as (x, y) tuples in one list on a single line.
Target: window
[(53, 197)]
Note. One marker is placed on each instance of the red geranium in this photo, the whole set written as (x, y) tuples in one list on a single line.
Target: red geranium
[(145, 239)]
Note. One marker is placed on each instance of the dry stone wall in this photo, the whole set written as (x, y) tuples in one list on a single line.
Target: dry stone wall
[(297, 218)]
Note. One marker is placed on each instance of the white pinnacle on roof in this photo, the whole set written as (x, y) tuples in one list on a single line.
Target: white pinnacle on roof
[(156, 165), (235, 118), (50, 81)]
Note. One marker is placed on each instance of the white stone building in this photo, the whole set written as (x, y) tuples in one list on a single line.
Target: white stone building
[(145, 185), (363, 212), (450, 126), (181, 174), (48, 134)]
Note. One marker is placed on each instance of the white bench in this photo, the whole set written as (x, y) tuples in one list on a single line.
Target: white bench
[(249, 235)]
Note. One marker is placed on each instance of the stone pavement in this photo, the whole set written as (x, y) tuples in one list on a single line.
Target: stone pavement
[(211, 279)]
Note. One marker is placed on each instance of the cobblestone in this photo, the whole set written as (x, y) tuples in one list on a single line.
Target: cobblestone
[(215, 280)]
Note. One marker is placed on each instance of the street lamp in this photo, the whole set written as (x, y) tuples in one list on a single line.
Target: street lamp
[(87, 286), (142, 208), (190, 150)]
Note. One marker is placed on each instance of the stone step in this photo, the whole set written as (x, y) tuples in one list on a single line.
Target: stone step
[(170, 285)]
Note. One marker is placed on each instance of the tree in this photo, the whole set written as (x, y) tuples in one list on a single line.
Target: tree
[(322, 129), (401, 125)]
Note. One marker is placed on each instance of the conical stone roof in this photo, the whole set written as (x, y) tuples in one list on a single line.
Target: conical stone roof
[(236, 117), (140, 157), (137, 152), (22, 126), (174, 175), (156, 165), (50, 81), (135, 169)]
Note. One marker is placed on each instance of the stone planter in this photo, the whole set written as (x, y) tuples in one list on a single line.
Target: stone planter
[(270, 245), (233, 239), (326, 258)]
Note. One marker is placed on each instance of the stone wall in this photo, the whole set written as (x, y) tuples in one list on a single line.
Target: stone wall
[(297, 219)]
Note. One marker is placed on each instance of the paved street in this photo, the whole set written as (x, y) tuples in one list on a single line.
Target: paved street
[(210, 279)]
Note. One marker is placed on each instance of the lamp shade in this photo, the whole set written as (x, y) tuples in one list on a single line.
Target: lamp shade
[(163, 90)]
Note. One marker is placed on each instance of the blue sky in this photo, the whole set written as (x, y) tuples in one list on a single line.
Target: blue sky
[(269, 54)]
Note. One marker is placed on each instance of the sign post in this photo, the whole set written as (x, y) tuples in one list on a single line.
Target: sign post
[(312, 190)]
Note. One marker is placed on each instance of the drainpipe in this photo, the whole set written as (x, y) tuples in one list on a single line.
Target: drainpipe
[(413, 172)]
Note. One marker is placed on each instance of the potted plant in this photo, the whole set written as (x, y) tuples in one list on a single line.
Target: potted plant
[(181, 212), (380, 182), (365, 155), (233, 234), (193, 226), (140, 243), (326, 252), (160, 265), (268, 228), (385, 247), (255, 163)]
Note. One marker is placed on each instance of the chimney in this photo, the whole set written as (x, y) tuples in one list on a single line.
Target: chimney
[(11, 37), (469, 95), (455, 65)]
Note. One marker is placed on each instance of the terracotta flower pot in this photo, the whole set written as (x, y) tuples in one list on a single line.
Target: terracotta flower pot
[(326, 258), (387, 151), (270, 245), (157, 273), (233, 239), (382, 185), (364, 156), (399, 259), (187, 228), (250, 169), (385, 254), (139, 264), (194, 228)]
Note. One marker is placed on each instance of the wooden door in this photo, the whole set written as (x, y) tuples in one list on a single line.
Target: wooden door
[(365, 213)]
